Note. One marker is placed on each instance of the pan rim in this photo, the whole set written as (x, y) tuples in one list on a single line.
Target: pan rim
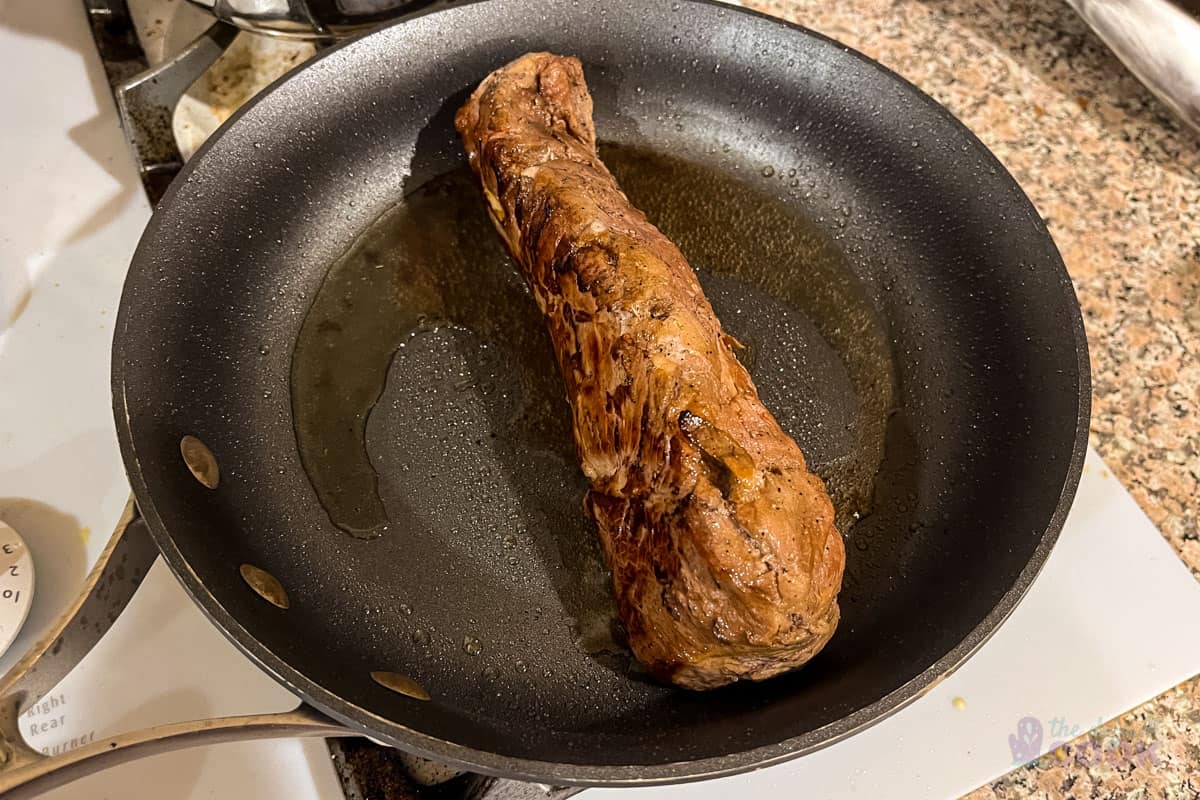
[(361, 719)]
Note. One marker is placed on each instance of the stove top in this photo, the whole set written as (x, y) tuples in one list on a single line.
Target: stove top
[(1088, 642)]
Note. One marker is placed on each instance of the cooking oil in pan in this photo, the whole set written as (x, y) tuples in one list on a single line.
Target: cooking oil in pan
[(813, 342), (816, 353), (432, 262)]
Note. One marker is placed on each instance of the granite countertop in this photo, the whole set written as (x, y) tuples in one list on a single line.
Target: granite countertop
[(1118, 181)]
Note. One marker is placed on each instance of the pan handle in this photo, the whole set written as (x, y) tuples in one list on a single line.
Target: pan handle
[(118, 572), (27, 773)]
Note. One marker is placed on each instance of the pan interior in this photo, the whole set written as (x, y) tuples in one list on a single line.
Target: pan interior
[(906, 315), (431, 418)]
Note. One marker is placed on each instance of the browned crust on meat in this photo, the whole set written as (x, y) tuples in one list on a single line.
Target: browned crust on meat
[(725, 559)]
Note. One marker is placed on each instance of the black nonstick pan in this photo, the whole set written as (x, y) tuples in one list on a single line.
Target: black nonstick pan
[(321, 305)]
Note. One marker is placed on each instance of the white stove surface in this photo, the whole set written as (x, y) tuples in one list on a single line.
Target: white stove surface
[(1113, 620)]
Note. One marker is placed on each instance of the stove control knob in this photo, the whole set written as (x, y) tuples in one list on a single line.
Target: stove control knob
[(16, 585)]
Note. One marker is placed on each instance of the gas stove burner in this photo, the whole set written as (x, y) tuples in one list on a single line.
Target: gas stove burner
[(177, 74), (179, 70)]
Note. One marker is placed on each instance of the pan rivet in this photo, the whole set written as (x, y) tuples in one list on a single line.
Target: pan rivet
[(959, 703), (401, 684), (265, 585), (200, 461)]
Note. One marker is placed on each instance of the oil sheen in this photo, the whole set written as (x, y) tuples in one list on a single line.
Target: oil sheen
[(432, 268)]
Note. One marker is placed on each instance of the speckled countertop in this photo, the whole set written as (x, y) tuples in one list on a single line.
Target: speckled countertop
[(1118, 181)]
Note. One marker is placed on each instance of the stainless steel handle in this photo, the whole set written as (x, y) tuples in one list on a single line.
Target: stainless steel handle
[(319, 21), (28, 774), (290, 19), (118, 572), (1158, 42)]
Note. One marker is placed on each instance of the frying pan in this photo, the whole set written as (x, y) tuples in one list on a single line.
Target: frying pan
[(907, 316)]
